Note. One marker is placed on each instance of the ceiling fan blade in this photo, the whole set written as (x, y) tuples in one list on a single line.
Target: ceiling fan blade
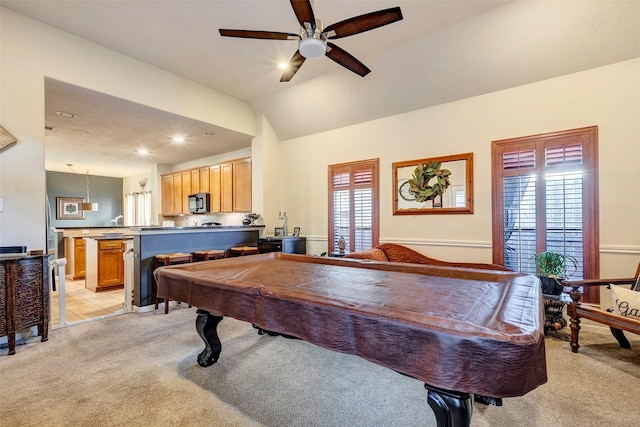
[(347, 60), (295, 63), (362, 23), (304, 12), (247, 34)]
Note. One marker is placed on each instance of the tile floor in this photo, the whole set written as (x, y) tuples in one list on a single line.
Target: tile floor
[(83, 304)]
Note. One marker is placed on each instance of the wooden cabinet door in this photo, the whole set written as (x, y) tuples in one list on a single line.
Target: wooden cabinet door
[(242, 185), (110, 263), (214, 188), (79, 257), (195, 181), (186, 190), (204, 180), (226, 187), (167, 194), (177, 193)]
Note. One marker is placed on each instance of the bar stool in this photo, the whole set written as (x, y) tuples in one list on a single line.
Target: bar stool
[(243, 250), (209, 254), (169, 259)]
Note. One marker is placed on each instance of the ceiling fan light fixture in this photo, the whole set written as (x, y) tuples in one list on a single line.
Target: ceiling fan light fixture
[(312, 48)]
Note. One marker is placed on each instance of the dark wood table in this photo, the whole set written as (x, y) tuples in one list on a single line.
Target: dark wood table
[(467, 334)]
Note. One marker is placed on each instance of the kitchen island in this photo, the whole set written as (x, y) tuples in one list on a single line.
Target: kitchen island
[(104, 262), (150, 241)]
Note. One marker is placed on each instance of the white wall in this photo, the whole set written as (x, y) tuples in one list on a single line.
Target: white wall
[(32, 51), (608, 97), (294, 172)]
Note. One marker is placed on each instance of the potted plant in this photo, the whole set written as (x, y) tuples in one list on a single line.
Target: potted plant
[(552, 268), (422, 188)]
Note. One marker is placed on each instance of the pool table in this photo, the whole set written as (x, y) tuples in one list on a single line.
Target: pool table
[(468, 334)]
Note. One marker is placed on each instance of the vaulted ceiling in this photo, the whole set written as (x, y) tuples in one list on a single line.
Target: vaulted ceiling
[(441, 51)]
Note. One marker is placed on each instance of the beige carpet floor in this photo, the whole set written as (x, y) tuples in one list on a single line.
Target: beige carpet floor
[(141, 370)]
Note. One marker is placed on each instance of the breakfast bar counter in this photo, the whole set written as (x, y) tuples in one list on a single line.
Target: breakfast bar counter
[(150, 241)]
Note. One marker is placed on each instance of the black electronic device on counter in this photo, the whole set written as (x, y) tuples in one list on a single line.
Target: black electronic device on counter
[(289, 245), (199, 203)]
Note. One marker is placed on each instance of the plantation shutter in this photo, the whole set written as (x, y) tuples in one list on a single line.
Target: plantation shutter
[(353, 207), (545, 198)]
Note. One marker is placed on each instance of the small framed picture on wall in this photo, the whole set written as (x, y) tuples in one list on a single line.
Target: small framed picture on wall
[(69, 208)]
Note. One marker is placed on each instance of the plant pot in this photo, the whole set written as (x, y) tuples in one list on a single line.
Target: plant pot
[(550, 286)]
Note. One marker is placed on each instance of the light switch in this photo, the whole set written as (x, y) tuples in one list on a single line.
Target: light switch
[(1, 205)]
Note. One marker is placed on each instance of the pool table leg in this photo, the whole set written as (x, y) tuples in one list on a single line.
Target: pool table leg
[(452, 408), (206, 325)]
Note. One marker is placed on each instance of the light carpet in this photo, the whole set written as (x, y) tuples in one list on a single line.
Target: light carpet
[(141, 369)]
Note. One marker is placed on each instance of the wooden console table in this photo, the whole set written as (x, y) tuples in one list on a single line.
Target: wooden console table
[(24, 296)]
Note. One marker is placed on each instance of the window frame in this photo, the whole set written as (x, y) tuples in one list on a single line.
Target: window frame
[(588, 138), (351, 168)]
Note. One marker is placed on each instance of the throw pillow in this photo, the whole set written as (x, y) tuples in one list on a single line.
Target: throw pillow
[(625, 302), (374, 254)]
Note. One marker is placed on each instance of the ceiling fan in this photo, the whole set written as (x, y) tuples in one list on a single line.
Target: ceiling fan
[(313, 38)]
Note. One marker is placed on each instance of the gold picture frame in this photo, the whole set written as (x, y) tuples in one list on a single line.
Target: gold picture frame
[(457, 198), (69, 208)]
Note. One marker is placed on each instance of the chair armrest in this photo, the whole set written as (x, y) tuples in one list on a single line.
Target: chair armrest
[(597, 282), (575, 293)]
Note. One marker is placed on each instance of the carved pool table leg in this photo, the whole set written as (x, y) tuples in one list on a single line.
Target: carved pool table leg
[(206, 325), (452, 408)]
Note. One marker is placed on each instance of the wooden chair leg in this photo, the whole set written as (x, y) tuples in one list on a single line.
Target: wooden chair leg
[(619, 336)]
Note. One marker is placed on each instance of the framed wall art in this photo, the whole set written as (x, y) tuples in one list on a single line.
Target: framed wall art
[(436, 185), (69, 208)]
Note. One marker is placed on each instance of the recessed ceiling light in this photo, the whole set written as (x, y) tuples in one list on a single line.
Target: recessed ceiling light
[(209, 132), (177, 139), (66, 114), (143, 152), (283, 65)]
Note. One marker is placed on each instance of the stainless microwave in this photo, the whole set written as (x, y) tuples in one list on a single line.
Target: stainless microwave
[(199, 203)]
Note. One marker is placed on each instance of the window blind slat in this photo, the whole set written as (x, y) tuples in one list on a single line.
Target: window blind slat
[(519, 159)]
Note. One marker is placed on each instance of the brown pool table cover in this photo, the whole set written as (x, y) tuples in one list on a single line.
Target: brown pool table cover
[(465, 330)]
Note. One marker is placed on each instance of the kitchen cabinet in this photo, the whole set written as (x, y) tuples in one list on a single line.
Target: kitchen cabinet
[(226, 187), (214, 188), (228, 183), (186, 190), (75, 253), (204, 180), (167, 194), (177, 193), (195, 181), (242, 185), (24, 296), (105, 264)]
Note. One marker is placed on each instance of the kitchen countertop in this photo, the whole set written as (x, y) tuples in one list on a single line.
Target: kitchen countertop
[(199, 227), (155, 228)]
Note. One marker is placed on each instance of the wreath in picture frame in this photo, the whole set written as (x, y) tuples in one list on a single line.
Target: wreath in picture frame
[(420, 186)]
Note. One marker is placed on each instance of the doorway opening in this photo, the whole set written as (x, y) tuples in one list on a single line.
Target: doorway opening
[(71, 303)]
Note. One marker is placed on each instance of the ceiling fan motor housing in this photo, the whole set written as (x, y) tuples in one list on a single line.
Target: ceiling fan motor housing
[(313, 42)]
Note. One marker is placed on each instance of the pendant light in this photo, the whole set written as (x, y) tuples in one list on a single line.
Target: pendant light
[(87, 205)]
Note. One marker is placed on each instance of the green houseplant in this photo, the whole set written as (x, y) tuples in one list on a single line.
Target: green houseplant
[(552, 268)]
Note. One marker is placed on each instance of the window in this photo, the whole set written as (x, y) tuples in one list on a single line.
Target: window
[(545, 197), (353, 205), (137, 209)]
